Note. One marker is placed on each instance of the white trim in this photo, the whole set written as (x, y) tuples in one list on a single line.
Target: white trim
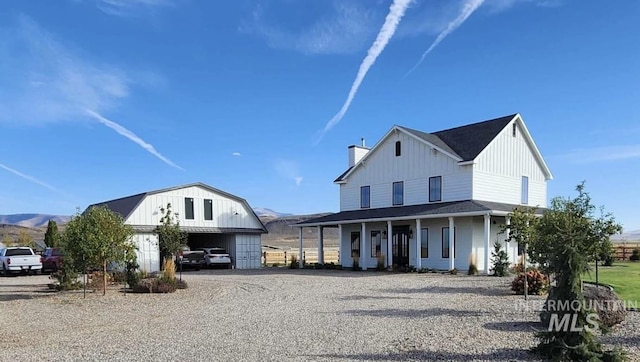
[(467, 163)]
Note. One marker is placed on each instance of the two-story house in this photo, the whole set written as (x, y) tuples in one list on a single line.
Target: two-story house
[(436, 200)]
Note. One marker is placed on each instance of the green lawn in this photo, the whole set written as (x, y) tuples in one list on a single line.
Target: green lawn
[(624, 277)]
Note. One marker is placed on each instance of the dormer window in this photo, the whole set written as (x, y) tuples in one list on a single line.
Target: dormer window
[(514, 130), (398, 148)]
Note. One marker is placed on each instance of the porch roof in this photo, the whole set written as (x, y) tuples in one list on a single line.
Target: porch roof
[(422, 211)]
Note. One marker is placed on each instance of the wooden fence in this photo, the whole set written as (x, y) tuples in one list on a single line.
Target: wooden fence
[(309, 256), (623, 250)]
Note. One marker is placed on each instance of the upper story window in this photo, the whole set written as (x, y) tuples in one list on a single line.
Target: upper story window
[(398, 148), (208, 209), (365, 197), (525, 190), (514, 129), (435, 188), (188, 208), (398, 193)]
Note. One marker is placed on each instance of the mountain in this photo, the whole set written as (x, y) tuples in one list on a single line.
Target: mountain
[(262, 211), (633, 235), (284, 234), (32, 220)]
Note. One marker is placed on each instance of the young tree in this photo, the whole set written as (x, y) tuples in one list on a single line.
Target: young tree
[(25, 239), (569, 234), (170, 237), (96, 238), (500, 260), (6, 240), (522, 230), (52, 236)]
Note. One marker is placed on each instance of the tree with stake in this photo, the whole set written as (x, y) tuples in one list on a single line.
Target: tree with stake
[(99, 237), (171, 238), (522, 231)]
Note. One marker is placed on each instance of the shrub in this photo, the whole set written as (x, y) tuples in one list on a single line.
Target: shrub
[(423, 270), (67, 279), (132, 275), (169, 269), (380, 262), (537, 282), (453, 271), (156, 285), (500, 261), (635, 255), (294, 262), (95, 280), (118, 277), (356, 263), (473, 265), (275, 265), (608, 259), (165, 286), (181, 284)]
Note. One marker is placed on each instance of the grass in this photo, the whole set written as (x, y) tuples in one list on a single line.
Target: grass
[(624, 277)]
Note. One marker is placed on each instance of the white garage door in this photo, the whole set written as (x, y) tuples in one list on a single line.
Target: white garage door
[(248, 249), (148, 252)]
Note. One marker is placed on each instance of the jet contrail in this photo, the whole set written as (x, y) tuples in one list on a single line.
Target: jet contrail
[(396, 12), (132, 136), (30, 178), (467, 9)]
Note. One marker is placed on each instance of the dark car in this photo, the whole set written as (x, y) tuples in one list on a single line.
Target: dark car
[(190, 259), (51, 259)]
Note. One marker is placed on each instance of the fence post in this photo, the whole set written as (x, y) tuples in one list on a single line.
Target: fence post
[(264, 255), (304, 257), (285, 258)]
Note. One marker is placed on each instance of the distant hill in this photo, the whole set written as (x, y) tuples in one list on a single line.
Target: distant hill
[(263, 211), (283, 234), (633, 235), (32, 220)]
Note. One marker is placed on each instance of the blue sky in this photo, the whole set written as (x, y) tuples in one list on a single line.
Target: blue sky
[(105, 98)]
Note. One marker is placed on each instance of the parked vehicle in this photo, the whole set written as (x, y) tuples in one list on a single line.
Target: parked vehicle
[(216, 257), (51, 259), (20, 260), (187, 258)]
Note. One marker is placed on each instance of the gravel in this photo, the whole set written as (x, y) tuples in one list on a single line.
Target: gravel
[(281, 314)]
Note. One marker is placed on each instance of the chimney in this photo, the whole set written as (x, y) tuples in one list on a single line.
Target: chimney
[(357, 152)]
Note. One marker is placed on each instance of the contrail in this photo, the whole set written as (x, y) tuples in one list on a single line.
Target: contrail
[(132, 136), (467, 9), (396, 12), (30, 178)]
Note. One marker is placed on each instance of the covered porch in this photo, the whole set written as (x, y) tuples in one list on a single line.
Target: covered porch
[(419, 235)]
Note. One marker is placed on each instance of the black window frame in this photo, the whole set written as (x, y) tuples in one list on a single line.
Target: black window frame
[(188, 208), (376, 243), (356, 243), (449, 246), (432, 197), (514, 131), (208, 209), (393, 193), (364, 205), (398, 148)]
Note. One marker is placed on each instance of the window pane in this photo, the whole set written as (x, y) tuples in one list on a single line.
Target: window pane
[(398, 193), (445, 242), (424, 243), (525, 190), (355, 244), (376, 242), (398, 148), (435, 188), (208, 209), (188, 208), (365, 196)]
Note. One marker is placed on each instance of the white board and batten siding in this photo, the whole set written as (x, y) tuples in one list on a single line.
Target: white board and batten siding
[(498, 172), (227, 212), (147, 251), (414, 166)]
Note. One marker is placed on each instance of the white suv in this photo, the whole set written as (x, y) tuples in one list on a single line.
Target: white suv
[(216, 257)]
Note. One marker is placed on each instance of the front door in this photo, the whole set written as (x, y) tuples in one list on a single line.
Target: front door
[(400, 246)]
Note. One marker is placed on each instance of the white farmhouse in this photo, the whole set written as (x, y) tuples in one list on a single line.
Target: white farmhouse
[(436, 200), (210, 217)]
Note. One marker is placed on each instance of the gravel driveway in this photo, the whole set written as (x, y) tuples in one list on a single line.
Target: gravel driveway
[(280, 314)]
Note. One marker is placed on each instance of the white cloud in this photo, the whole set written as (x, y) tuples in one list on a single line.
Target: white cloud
[(602, 154), (236, 154), (131, 136), (468, 7), (290, 170), (345, 30), (131, 7), (396, 12), (27, 177)]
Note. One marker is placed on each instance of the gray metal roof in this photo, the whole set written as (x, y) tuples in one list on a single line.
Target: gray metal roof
[(126, 205), (414, 211)]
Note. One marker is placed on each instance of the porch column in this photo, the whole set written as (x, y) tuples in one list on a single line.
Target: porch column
[(320, 245), (300, 262), (363, 247), (452, 244), (389, 246), (418, 243), (507, 222), (487, 230), (340, 248)]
